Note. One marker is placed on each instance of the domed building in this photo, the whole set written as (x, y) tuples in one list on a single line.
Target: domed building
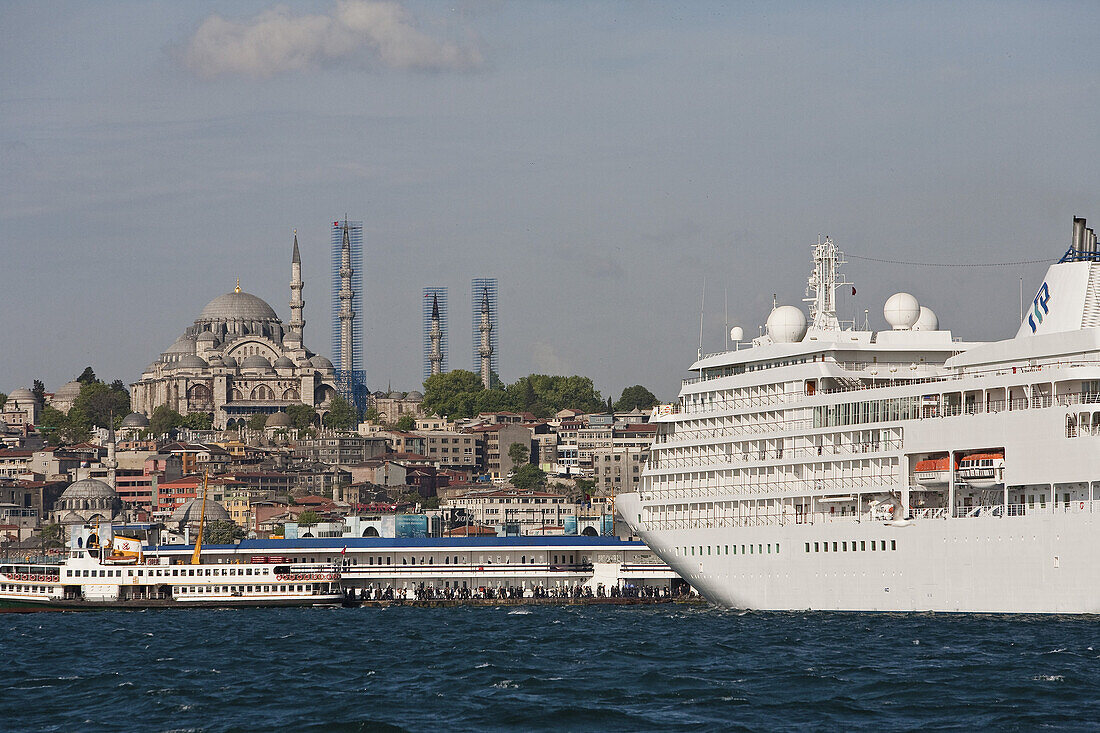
[(85, 502), (21, 408), (239, 359), (64, 397)]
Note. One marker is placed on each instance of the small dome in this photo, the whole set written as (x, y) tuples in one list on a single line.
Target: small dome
[(68, 392), (278, 420), (927, 320), (786, 324), (22, 394), (190, 512), (229, 361), (72, 518), (88, 488), (237, 306), (135, 420), (183, 345), (256, 362), (215, 360), (190, 361), (414, 396), (320, 362), (901, 311), (395, 395), (283, 362), (207, 337), (292, 337)]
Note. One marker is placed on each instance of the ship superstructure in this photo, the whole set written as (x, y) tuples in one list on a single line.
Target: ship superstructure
[(827, 467)]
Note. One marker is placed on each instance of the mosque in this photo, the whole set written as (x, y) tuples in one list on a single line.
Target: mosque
[(237, 360)]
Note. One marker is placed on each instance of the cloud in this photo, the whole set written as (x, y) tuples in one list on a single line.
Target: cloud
[(364, 32)]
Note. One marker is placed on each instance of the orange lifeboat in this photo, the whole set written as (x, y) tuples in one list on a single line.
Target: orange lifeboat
[(982, 470), (932, 472)]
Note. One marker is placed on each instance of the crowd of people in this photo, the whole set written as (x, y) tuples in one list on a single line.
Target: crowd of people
[(428, 592)]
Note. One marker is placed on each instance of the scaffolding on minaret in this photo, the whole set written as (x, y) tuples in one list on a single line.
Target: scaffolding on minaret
[(434, 307), (486, 329), (347, 300)]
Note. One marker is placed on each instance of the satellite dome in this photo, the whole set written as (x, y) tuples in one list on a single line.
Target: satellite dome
[(737, 334), (278, 420), (237, 306), (283, 362), (927, 320), (901, 311), (135, 420), (190, 361), (786, 324), (68, 392), (320, 362), (256, 362)]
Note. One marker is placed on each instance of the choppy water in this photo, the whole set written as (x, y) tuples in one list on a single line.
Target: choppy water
[(579, 668)]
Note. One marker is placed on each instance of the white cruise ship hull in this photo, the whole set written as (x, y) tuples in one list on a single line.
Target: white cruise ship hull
[(1045, 562)]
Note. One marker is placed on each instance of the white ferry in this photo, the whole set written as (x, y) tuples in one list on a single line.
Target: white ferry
[(117, 573), (827, 467)]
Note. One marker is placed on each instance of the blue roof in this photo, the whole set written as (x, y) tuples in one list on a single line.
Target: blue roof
[(380, 543)]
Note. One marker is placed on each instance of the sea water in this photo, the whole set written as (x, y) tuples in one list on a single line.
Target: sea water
[(658, 668)]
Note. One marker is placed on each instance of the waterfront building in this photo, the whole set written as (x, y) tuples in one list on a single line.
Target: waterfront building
[(238, 359)]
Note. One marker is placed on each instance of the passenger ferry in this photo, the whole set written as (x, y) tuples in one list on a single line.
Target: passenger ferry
[(826, 467), (118, 573)]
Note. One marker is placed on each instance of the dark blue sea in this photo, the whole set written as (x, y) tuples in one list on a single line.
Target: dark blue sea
[(659, 668)]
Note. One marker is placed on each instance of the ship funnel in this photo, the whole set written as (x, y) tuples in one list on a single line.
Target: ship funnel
[(1078, 235), (1090, 242)]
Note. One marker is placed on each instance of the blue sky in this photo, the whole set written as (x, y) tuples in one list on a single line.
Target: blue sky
[(599, 159)]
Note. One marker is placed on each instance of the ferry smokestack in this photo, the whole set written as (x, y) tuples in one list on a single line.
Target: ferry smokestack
[(1090, 241), (1078, 235)]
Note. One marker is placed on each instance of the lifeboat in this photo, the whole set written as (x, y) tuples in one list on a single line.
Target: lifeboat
[(932, 472), (982, 470)]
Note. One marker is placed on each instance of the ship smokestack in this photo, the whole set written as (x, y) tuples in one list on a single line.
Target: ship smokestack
[(1078, 236), (1090, 242)]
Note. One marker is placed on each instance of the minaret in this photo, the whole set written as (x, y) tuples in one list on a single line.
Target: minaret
[(486, 350), (111, 462), (347, 315), (297, 305), (436, 336)]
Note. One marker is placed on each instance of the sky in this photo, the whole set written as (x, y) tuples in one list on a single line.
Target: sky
[(602, 160)]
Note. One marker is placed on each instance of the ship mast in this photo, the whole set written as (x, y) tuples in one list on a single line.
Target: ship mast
[(824, 281)]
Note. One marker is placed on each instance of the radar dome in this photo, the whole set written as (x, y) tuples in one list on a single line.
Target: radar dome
[(901, 311), (737, 334), (927, 321), (786, 324)]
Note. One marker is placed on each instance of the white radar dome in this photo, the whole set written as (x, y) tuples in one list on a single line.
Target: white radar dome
[(901, 311), (927, 320), (786, 324), (737, 334)]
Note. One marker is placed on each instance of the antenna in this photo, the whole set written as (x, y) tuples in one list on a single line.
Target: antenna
[(702, 305), (726, 315), (1021, 298)]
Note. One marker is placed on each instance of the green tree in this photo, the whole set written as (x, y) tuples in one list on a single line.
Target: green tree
[(96, 406), (51, 423), (39, 392), (222, 532), (257, 421), (3, 399), (636, 397), (528, 477), (558, 393), (406, 422), (87, 376), (198, 421), (308, 518), (52, 536), (372, 415), (341, 415), (164, 420), (582, 487), (519, 453), (451, 394), (301, 416)]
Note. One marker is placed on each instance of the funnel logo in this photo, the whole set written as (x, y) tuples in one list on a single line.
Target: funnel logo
[(1040, 302)]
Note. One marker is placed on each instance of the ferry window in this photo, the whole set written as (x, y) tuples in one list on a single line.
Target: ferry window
[(769, 548), (807, 547), (727, 549), (816, 548), (844, 546), (893, 544), (708, 549), (742, 549), (750, 549), (863, 545), (776, 548), (735, 549), (826, 546), (693, 550), (882, 545), (834, 547), (872, 545)]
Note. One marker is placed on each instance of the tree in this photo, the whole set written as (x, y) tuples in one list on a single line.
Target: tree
[(257, 421), (519, 453), (636, 397), (301, 416), (97, 404), (372, 415), (52, 536), (87, 376), (198, 421), (528, 477), (51, 423), (341, 415), (406, 422), (3, 399), (308, 518), (222, 532), (451, 394), (164, 420), (39, 392), (582, 487)]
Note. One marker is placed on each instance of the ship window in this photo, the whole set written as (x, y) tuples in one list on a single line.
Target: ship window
[(708, 549), (826, 546), (882, 545), (863, 546), (872, 545), (893, 544), (693, 550), (750, 549), (844, 546), (807, 547), (769, 548), (834, 547), (727, 549), (742, 549)]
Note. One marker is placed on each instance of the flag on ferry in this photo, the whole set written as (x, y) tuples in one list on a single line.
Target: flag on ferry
[(127, 545)]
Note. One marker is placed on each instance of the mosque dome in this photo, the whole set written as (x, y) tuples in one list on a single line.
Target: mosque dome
[(292, 339), (395, 396), (237, 306), (229, 361), (320, 362), (215, 360), (135, 420), (183, 345), (190, 512), (208, 337), (72, 518), (278, 420), (88, 488), (256, 362), (22, 395), (190, 361), (68, 392), (414, 396), (283, 362)]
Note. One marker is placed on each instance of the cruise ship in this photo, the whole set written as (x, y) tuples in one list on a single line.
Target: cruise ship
[(826, 467)]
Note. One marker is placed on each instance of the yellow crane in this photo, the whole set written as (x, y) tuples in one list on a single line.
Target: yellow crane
[(202, 520)]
